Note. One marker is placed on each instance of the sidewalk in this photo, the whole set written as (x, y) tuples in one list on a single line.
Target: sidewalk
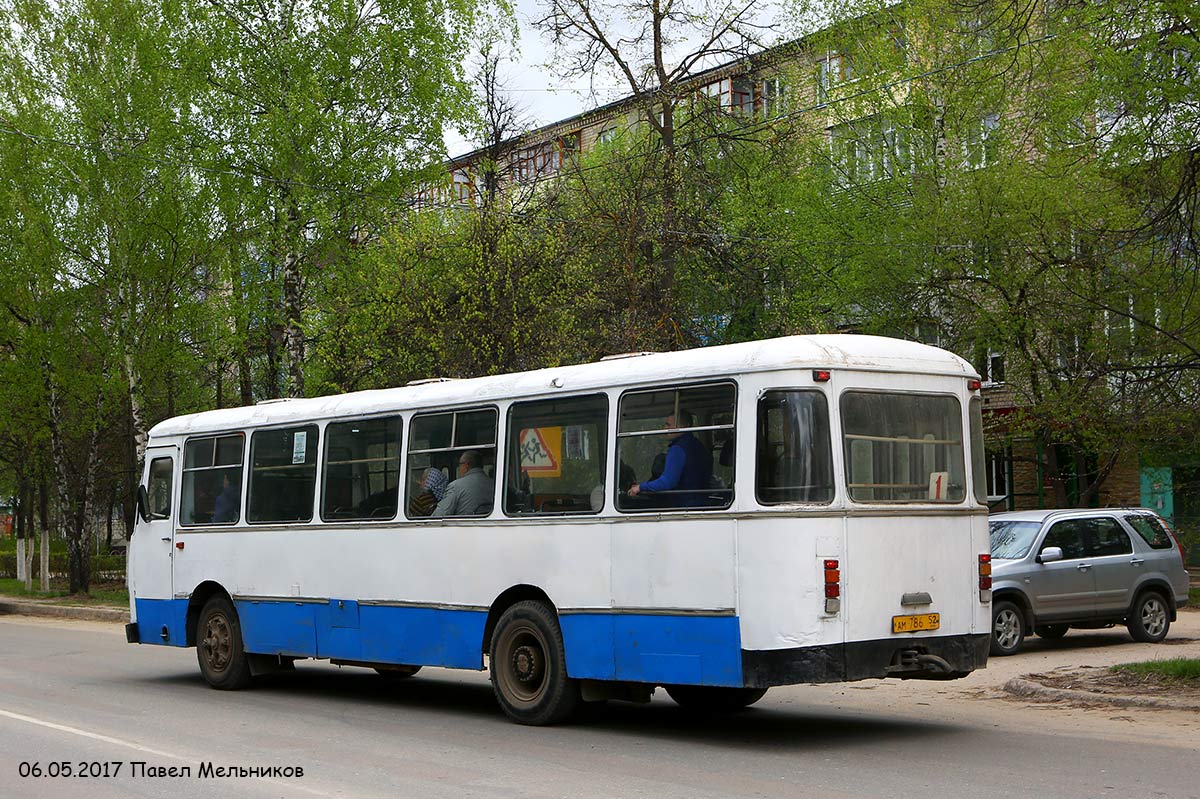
[(34, 607)]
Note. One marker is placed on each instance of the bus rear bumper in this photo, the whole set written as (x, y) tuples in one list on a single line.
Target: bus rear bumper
[(932, 658)]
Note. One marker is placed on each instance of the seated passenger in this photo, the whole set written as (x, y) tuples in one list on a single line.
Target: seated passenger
[(226, 508), (429, 493), (472, 493), (688, 468)]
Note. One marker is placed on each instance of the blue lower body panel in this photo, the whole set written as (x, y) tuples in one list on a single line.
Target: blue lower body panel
[(663, 649), (647, 648), (158, 616)]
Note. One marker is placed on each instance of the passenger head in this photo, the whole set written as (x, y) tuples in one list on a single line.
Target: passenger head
[(685, 418), (469, 460), (434, 481)]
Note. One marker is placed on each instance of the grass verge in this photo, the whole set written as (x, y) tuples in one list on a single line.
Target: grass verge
[(114, 594), (1172, 669)]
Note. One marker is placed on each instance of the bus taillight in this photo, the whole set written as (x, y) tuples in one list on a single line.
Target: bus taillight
[(985, 578), (833, 587)]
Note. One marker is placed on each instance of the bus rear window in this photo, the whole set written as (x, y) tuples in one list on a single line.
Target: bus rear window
[(795, 460), (903, 447)]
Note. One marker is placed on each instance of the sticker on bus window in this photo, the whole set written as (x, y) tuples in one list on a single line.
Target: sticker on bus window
[(541, 451), (299, 445), (938, 482)]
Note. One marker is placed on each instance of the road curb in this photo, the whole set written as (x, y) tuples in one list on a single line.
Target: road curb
[(16, 607), (1027, 689)]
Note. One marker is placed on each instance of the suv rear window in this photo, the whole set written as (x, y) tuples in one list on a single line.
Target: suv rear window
[(1151, 530)]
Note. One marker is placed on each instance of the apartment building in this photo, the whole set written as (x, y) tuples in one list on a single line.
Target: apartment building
[(815, 79)]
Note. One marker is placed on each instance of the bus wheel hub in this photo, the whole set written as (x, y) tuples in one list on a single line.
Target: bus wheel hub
[(526, 664)]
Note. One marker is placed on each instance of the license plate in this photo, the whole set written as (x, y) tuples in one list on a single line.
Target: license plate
[(917, 623)]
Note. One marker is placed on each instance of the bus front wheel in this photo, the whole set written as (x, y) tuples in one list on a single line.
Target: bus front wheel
[(223, 661), (712, 698), (528, 666)]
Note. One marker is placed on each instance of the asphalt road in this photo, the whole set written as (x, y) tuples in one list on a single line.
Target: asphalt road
[(76, 692)]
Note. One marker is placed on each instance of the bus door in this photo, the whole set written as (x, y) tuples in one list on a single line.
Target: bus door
[(152, 547)]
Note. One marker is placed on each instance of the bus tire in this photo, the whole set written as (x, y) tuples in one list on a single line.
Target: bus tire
[(528, 666), (714, 699), (219, 650)]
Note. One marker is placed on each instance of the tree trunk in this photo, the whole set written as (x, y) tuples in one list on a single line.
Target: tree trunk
[(293, 334), (44, 513), (20, 532)]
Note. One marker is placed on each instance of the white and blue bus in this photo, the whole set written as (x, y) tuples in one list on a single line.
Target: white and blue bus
[(714, 521)]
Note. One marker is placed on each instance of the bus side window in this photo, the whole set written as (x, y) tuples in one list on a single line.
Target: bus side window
[(158, 488), (675, 448), (555, 456), (362, 469), (212, 480), (283, 475), (438, 442)]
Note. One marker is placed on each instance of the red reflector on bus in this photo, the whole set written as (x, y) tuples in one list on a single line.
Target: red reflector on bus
[(985, 558), (974, 385), (821, 375), (832, 590), (831, 564), (985, 583), (179, 545), (833, 576)]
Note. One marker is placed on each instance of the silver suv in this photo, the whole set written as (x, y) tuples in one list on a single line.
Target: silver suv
[(1057, 569)]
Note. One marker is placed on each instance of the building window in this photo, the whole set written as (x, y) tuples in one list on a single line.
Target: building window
[(981, 146), (832, 70), (991, 367), (732, 95), (875, 148), (462, 188), (999, 463), (547, 158), (606, 135), (769, 101)]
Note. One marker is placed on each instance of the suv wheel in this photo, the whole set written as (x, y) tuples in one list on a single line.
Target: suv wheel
[(1150, 618), (1008, 629), (1051, 632)]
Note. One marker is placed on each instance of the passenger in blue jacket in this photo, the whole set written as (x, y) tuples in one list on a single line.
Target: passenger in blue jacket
[(689, 468)]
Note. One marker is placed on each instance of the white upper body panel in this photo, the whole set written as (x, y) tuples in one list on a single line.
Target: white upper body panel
[(860, 353)]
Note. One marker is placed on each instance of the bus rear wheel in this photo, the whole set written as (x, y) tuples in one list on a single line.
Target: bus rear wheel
[(714, 699), (223, 660), (528, 666)]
